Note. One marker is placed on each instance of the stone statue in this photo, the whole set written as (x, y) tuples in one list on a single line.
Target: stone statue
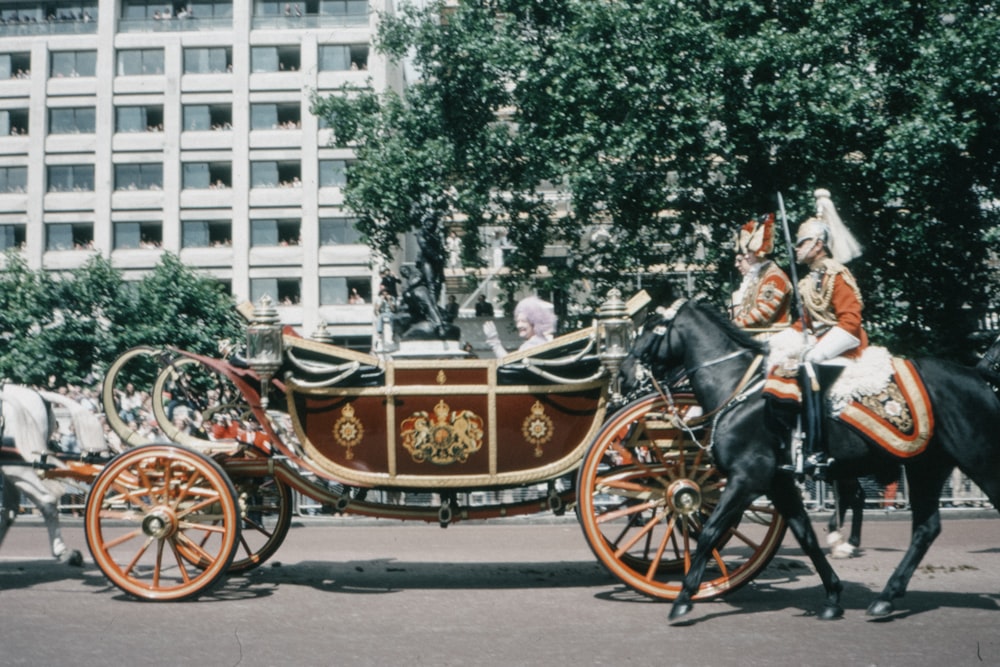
[(420, 318)]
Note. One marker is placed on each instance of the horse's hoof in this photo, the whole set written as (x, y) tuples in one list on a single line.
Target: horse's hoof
[(834, 538), (831, 612), (843, 550), (72, 557), (880, 608), (679, 611)]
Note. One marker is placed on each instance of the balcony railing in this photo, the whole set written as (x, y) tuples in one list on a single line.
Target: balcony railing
[(189, 24), (74, 27), (307, 21)]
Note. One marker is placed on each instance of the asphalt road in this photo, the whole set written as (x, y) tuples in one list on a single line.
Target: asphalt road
[(513, 592)]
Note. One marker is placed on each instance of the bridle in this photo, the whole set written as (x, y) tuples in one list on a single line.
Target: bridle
[(742, 390)]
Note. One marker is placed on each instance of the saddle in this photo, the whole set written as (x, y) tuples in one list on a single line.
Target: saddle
[(879, 396)]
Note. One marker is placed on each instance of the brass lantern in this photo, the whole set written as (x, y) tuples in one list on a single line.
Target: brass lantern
[(264, 347), (614, 330)]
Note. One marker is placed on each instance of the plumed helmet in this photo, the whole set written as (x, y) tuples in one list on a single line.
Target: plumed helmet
[(756, 237), (813, 228), (829, 228)]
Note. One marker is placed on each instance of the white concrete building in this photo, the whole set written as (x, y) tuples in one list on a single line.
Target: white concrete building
[(133, 127)]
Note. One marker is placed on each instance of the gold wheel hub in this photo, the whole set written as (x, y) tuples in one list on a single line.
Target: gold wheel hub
[(684, 497), (159, 523)]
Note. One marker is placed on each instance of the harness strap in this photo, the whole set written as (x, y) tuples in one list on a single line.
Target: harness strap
[(740, 386)]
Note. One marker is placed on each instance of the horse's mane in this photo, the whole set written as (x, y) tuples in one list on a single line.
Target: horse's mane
[(733, 332)]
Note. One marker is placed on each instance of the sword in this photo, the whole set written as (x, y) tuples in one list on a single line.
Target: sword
[(793, 273)]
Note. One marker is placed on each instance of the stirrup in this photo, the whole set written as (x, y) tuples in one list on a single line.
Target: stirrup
[(816, 466)]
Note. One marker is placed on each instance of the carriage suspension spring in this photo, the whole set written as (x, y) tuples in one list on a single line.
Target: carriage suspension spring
[(445, 513), (555, 501)]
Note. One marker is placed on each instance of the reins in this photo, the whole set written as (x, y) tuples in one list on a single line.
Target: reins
[(741, 386), (734, 396)]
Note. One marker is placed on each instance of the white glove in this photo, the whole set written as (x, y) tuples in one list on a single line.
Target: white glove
[(493, 338), (834, 343)]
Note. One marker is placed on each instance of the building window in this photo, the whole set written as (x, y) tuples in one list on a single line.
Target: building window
[(337, 290), (332, 173), (283, 291), (343, 7), (338, 231), (139, 176), (202, 117), (80, 120), (13, 122), (274, 233), (69, 236), (275, 116), (71, 178), (56, 17), (214, 60), (275, 174), (134, 235), (15, 65), (274, 59), (13, 179), (67, 64), (159, 9), (217, 9), (11, 236), (207, 176), (139, 119), (341, 57), (139, 62), (206, 234), (309, 7)]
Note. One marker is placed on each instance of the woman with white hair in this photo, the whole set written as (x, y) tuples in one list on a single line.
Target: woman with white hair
[(535, 320)]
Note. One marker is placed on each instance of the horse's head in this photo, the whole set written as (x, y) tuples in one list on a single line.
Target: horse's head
[(654, 352)]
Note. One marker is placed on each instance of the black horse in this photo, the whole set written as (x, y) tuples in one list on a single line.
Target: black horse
[(718, 358)]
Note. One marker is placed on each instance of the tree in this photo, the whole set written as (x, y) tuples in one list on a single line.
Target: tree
[(69, 328), (666, 125), (26, 309)]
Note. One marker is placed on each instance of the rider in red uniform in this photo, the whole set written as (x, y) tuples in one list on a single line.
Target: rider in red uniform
[(832, 308), (766, 292)]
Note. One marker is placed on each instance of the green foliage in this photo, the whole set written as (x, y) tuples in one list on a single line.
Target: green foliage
[(69, 328), (672, 123)]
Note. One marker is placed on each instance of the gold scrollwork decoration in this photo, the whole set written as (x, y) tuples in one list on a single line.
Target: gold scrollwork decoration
[(348, 430), (443, 438), (537, 428)]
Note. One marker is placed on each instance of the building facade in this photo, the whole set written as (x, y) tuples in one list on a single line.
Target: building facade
[(131, 128)]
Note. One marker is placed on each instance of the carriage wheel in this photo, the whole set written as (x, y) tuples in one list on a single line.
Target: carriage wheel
[(266, 512), (645, 489), (150, 509)]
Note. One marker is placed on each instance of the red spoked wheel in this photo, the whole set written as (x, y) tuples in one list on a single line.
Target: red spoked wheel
[(162, 522), (265, 505), (645, 489)]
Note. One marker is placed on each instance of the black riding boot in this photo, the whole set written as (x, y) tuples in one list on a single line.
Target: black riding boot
[(813, 446)]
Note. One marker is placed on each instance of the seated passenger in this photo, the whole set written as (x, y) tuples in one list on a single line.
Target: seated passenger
[(535, 320)]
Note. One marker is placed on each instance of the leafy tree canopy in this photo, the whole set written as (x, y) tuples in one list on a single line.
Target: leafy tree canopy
[(668, 124), (68, 328)]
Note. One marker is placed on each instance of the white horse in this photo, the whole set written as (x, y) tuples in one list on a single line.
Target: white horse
[(27, 424)]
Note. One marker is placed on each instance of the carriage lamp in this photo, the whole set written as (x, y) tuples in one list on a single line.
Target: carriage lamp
[(264, 350), (614, 330)]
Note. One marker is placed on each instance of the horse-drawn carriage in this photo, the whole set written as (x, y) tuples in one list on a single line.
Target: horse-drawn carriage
[(438, 439)]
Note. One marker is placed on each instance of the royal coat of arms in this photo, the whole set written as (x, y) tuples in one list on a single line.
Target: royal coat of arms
[(443, 438)]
